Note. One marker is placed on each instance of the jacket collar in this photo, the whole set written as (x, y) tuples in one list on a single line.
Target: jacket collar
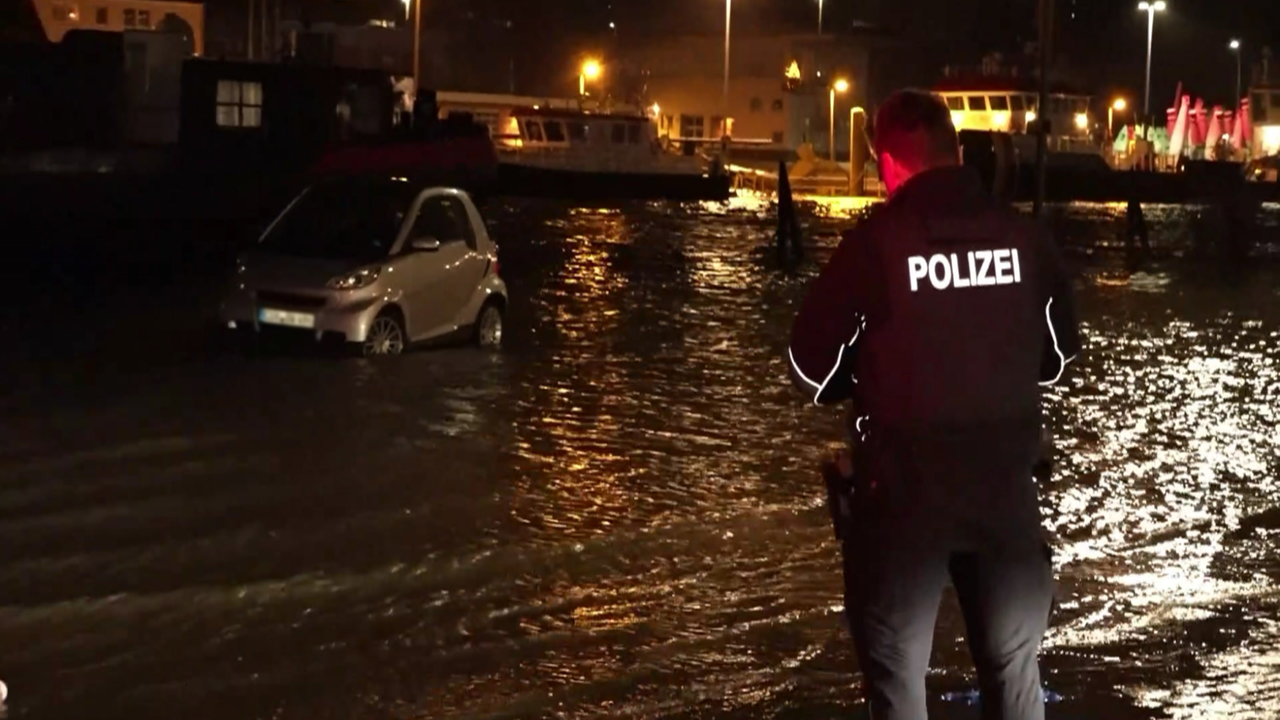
[(942, 186)]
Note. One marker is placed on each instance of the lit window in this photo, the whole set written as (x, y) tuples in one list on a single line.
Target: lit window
[(239, 104), (130, 18), (691, 126), (65, 12), (955, 102), (978, 103), (144, 18)]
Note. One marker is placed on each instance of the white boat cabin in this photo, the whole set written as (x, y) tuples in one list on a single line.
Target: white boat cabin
[(1001, 108), (590, 142)]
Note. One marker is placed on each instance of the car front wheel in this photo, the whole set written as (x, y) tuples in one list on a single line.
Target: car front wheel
[(386, 335)]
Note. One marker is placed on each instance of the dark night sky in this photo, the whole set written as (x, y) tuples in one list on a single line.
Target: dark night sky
[(1106, 42)]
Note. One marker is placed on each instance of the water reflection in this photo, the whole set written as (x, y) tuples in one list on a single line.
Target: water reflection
[(617, 515)]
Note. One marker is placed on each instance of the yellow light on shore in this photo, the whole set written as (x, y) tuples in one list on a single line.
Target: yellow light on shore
[(591, 69), (1119, 105), (841, 85), (1031, 116), (1082, 121)]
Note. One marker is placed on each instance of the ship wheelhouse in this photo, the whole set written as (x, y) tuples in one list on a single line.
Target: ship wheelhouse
[(1010, 104)]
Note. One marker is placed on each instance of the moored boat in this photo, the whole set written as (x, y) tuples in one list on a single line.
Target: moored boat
[(583, 155)]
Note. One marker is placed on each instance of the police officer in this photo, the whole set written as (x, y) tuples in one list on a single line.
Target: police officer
[(940, 315)]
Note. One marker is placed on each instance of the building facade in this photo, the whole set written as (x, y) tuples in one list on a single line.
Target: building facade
[(779, 88), (58, 17)]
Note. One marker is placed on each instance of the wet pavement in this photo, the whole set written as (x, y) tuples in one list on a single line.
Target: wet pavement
[(615, 516)]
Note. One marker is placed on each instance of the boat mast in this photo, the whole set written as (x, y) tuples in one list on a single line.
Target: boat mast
[(1042, 127)]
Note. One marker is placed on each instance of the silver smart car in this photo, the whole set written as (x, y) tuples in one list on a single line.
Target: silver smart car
[(376, 262)]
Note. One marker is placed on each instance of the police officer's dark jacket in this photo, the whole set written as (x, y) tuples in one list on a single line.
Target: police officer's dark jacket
[(940, 315)]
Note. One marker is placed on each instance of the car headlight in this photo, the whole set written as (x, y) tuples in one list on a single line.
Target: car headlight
[(356, 280)]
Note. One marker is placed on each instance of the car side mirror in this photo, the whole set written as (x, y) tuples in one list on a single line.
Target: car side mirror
[(426, 243)]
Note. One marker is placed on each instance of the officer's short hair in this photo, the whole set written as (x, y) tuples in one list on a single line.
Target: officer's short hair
[(914, 126)]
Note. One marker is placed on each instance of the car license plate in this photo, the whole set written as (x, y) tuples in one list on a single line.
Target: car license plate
[(286, 318)]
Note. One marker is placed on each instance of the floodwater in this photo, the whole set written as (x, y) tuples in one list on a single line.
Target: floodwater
[(615, 516)]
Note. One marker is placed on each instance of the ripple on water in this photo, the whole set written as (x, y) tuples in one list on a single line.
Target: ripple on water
[(617, 515)]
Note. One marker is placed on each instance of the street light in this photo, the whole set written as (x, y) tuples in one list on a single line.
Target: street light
[(1118, 106), (728, 12), (417, 41), (1150, 8), (590, 71), (853, 111), (839, 86), (1235, 47), (819, 17)]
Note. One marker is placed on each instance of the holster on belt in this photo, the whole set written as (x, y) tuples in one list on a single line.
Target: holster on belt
[(840, 489)]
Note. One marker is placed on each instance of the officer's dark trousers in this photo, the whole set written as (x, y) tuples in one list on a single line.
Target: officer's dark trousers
[(892, 596)]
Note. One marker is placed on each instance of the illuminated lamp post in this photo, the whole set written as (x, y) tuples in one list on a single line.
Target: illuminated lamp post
[(839, 86), (1118, 106), (1235, 47), (728, 14), (590, 71), (1150, 8), (853, 111)]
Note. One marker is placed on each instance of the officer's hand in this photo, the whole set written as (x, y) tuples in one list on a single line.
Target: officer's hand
[(843, 460)]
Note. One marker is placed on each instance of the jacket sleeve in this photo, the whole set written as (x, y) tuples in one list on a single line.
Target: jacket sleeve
[(829, 325), (1062, 337)]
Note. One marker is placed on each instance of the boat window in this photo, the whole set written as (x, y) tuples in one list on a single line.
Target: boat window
[(619, 133), (577, 130), (955, 102), (1016, 103), (777, 106), (978, 102), (999, 102), (555, 131), (633, 133), (533, 130), (757, 104)]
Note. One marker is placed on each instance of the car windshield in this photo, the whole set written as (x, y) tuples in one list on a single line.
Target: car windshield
[(344, 220)]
